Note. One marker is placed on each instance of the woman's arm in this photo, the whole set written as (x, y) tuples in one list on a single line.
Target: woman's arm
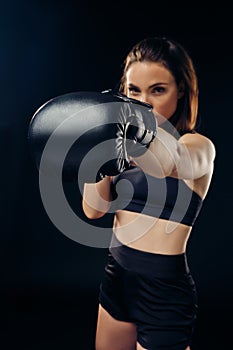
[(190, 157), (97, 198)]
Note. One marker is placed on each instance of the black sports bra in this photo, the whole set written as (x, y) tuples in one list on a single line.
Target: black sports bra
[(167, 198)]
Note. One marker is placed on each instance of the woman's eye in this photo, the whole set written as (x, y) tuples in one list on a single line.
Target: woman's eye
[(133, 90), (158, 89)]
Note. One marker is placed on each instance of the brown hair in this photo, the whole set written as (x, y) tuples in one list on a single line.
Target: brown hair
[(176, 59)]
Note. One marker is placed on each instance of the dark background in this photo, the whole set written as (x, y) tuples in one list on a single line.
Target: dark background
[(49, 283)]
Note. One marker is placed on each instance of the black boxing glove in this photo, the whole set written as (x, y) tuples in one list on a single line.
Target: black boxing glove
[(140, 128), (86, 133)]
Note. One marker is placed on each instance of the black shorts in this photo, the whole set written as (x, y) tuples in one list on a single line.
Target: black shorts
[(154, 291)]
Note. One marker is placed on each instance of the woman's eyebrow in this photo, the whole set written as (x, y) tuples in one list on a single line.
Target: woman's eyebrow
[(159, 83), (151, 86)]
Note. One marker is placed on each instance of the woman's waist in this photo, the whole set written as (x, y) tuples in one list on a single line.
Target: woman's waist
[(148, 263), (149, 234)]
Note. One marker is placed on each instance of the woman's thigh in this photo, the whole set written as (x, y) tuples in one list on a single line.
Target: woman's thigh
[(113, 334)]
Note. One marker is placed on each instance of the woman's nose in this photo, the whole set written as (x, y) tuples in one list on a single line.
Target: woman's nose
[(145, 98), (142, 97)]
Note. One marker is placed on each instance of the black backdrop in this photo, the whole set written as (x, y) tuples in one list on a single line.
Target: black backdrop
[(49, 283)]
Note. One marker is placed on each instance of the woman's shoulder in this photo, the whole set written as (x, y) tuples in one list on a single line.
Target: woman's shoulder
[(199, 140), (196, 136)]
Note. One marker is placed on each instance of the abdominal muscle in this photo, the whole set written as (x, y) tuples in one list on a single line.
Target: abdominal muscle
[(150, 234)]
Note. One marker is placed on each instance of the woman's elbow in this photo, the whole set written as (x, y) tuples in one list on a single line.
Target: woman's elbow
[(94, 215), (91, 213)]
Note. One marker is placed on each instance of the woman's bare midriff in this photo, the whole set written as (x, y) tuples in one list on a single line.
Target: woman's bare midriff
[(155, 235), (150, 234)]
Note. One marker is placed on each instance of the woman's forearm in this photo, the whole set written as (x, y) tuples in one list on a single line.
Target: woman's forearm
[(96, 198), (190, 157), (162, 157)]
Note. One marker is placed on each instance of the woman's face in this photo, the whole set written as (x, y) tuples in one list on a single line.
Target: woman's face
[(152, 83)]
